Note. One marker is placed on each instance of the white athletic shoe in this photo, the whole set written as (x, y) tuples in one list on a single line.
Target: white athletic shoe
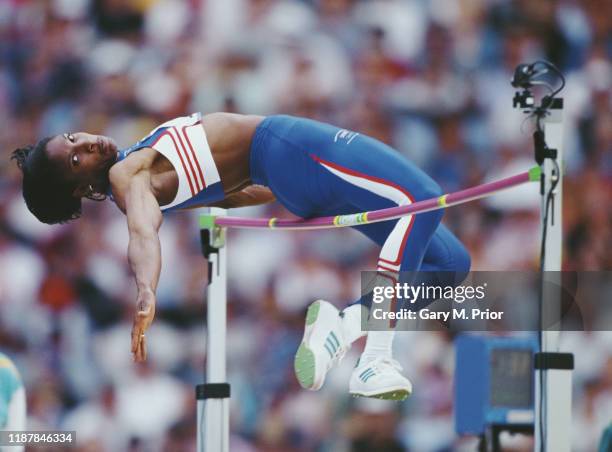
[(322, 346), (380, 378)]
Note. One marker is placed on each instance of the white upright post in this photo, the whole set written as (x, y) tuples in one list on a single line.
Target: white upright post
[(553, 370), (213, 397)]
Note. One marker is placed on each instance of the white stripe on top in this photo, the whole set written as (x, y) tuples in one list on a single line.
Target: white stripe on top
[(390, 252), (184, 144)]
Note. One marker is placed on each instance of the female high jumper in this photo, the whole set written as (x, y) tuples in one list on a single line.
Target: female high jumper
[(228, 160)]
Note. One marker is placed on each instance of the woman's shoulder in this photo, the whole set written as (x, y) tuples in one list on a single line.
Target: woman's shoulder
[(122, 172), (133, 163)]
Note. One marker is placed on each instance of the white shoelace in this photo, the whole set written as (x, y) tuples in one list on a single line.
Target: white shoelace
[(338, 354), (380, 364)]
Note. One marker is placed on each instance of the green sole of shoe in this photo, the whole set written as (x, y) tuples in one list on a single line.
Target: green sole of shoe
[(312, 313), (303, 365), (304, 361), (397, 396)]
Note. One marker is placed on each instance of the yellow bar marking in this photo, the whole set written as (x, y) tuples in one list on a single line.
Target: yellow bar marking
[(272, 222), (442, 200)]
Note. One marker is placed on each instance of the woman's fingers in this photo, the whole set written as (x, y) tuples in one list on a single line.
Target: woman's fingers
[(143, 348)]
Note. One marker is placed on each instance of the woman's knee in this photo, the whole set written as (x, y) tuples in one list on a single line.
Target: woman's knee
[(457, 261), (462, 263)]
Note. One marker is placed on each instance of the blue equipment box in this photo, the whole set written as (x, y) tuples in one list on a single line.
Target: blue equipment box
[(494, 382)]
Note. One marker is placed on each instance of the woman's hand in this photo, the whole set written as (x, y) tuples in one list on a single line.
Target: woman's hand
[(145, 312)]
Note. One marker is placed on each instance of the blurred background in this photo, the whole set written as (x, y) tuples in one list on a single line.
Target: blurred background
[(431, 78)]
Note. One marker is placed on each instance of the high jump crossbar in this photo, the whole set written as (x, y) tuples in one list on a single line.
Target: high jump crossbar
[(210, 221)]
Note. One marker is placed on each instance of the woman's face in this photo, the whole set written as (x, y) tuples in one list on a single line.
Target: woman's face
[(85, 160)]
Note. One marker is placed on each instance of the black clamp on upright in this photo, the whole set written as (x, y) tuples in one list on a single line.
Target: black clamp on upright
[(207, 249), (206, 245), (213, 391), (542, 151), (212, 238), (553, 361)]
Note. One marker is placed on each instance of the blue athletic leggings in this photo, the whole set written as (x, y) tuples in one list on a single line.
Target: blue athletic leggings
[(315, 169)]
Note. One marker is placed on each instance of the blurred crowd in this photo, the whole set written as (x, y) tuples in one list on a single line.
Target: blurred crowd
[(429, 77)]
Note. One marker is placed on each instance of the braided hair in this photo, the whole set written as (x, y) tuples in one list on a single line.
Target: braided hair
[(47, 193)]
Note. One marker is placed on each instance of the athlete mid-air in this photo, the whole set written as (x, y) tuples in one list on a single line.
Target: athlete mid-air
[(229, 160)]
